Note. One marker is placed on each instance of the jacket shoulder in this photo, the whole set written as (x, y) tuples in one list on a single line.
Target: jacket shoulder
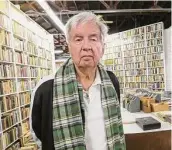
[(115, 83), (44, 84)]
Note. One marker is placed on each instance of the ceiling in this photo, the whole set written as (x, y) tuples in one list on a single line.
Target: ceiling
[(120, 15)]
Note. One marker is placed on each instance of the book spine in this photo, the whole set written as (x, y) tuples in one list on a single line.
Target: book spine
[(24, 98), (10, 119), (7, 87), (22, 71), (23, 85), (25, 112), (10, 136), (6, 54), (9, 102)]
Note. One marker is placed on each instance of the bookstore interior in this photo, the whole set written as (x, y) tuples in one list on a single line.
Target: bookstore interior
[(139, 57)]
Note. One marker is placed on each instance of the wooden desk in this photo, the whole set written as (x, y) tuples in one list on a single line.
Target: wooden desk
[(137, 139), (160, 140)]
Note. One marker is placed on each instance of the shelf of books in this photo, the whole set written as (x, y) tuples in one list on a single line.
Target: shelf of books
[(26, 55), (113, 58), (136, 56)]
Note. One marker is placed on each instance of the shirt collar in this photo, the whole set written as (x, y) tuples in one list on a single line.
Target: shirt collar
[(97, 78)]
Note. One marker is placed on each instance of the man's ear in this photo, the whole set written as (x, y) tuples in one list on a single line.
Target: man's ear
[(68, 45), (103, 48)]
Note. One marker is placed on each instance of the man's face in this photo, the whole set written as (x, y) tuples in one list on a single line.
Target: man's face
[(85, 44)]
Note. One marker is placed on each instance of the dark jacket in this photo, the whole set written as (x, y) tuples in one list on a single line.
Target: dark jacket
[(41, 110)]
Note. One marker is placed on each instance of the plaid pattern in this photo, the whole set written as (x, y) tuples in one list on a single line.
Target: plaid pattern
[(68, 127)]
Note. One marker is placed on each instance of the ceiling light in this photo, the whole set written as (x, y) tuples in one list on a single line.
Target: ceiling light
[(60, 60), (58, 51), (51, 14)]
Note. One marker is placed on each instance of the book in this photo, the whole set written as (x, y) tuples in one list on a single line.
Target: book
[(24, 98), (33, 61), (25, 112), (22, 71), (18, 44), (33, 83), (5, 38), (25, 127), (42, 62), (21, 58), (155, 71), (30, 36), (10, 136), (23, 85), (9, 119), (27, 148), (18, 29), (43, 72), (148, 123), (15, 146), (26, 138), (30, 143), (6, 70), (9, 102), (7, 87), (42, 52), (34, 72), (31, 48), (6, 54)]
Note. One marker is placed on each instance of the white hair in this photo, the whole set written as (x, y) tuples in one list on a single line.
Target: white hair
[(85, 17)]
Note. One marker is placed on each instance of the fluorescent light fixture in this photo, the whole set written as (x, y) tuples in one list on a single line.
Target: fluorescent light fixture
[(58, 51), (61, 60), (51, 14)]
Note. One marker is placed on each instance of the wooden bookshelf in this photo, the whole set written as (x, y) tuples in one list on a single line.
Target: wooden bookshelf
[(26, 55), (136, 56)]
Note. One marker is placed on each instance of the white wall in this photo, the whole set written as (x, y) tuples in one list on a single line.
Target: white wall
[(168, 58)]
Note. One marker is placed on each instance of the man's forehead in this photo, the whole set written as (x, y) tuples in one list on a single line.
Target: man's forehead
[(83, 32), (86, 27), (87, 34)]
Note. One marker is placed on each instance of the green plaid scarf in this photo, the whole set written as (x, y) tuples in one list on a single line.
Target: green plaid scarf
[(68, 125)]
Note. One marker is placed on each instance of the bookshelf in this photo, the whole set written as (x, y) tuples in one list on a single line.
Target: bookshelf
[(136, 56), (26, 55), (113, 58)]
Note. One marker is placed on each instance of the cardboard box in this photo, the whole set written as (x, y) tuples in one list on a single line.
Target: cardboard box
[(160, 107), (146, 104), (147, 100), (146, 109)]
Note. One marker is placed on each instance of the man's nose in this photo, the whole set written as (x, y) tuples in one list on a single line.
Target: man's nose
[(86, 45)]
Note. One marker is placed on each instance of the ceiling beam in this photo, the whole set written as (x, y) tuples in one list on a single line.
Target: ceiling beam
[(25, 6), (75, 4), (105, 4), (61, 4), (111, 3), (116, 4), (35, 9), (65, 4), (113, 11), (54, 6)]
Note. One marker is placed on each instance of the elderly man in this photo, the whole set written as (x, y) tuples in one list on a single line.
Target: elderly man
[(78, 109)]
